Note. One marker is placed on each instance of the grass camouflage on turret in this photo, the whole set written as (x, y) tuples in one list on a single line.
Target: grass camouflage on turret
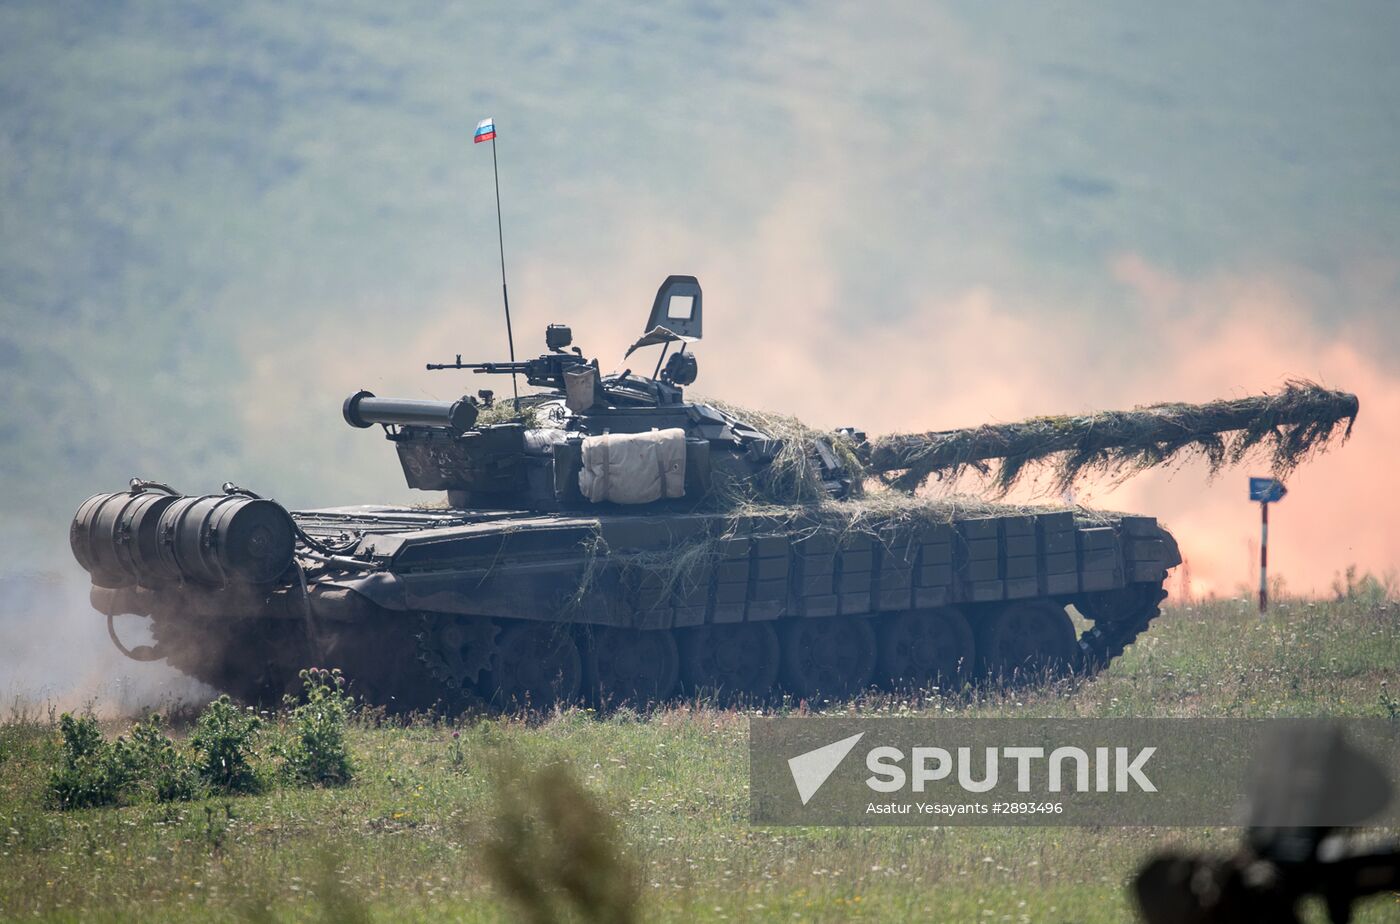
[(1285, 427), (1290, 425)]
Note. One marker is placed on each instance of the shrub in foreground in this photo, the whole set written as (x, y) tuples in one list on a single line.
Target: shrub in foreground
[(223, 746), (316, 751), (93, 771), (555, 852), (154, 767), (222, 755), (88, 772)]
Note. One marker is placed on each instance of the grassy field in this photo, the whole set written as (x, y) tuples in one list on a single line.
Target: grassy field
[(410, 838)]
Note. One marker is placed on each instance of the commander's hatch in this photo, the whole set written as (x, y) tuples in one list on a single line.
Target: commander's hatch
[(675, 315)]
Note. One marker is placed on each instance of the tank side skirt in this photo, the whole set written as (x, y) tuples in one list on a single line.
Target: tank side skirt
[(766, 576), (775, 576), (785, 576)]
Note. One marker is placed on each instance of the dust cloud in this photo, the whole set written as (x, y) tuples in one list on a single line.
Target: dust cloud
[(55, 654)]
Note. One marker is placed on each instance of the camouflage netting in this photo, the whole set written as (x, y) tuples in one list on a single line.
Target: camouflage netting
[(790, 489), (794, 477), (1286, 428)]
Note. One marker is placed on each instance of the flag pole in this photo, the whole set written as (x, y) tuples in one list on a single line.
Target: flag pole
[(505, 295)]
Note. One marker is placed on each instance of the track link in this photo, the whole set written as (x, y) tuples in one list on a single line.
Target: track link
[(1112, 633)]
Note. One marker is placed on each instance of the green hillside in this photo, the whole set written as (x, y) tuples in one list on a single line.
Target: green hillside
[(218, 219)]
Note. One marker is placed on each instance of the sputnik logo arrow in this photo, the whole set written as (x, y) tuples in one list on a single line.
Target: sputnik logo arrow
[(811, 770)]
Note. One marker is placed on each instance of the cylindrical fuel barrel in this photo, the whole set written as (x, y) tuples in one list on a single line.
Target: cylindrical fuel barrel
[(94, 536), (140, 522), (221, 538), (363, 409), (114, 536)]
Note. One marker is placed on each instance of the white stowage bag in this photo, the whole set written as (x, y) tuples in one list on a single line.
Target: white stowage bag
[(633, 468)]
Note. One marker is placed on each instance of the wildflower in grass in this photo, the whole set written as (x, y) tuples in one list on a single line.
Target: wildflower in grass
[(458, 752)]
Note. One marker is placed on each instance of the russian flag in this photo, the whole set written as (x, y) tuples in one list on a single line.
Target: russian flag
[(485, 131)]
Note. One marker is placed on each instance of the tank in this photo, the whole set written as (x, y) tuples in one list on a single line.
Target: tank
[(604, 538)]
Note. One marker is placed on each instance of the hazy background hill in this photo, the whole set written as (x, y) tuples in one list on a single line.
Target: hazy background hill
[(217, 220)]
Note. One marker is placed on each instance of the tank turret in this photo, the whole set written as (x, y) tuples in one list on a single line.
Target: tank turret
[(585, 438)]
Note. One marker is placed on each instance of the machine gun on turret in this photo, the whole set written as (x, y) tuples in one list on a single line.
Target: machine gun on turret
[(675, 318), (545, 371)]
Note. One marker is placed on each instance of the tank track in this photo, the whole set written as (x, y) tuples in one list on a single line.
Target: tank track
[(448, 661), (1114, 628), (1111, 633), (256, 661)]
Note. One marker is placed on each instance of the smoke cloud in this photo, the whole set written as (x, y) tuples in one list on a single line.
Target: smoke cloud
[(778, 337), (54, 652)]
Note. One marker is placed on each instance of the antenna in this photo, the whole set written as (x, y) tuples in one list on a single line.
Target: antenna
[(486, 131)]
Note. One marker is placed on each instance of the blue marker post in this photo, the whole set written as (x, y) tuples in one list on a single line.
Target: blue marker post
[(1265, 491)]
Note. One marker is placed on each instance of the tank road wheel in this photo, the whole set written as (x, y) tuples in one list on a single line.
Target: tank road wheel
[(1026, 641), (925, 648), (631, 666), (535, 664), (833, 657), (737, 659)]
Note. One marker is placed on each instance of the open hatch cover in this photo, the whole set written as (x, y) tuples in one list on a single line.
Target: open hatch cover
[(675, 315)]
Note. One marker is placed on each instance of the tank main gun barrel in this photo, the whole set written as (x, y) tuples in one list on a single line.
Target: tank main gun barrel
[(1293, 422), (363, 409)]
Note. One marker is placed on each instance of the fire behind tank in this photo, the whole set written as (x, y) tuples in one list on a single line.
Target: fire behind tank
[(610, 540)]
